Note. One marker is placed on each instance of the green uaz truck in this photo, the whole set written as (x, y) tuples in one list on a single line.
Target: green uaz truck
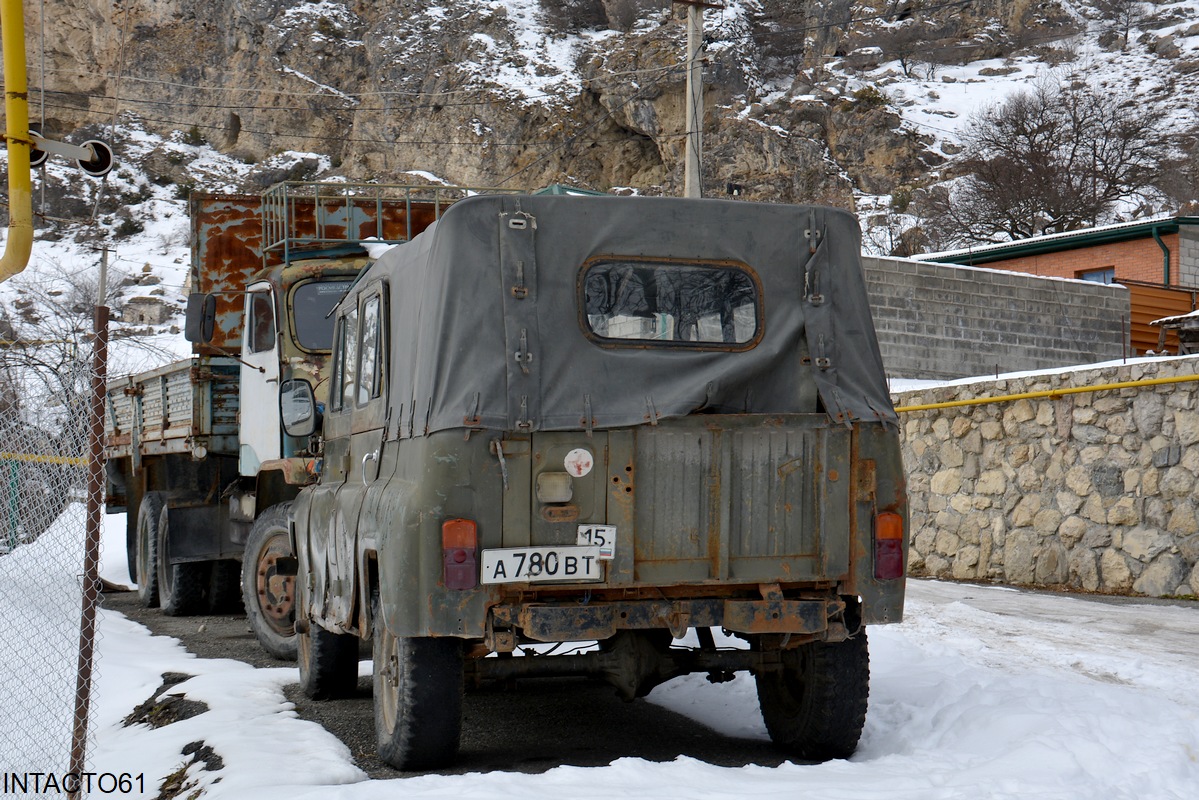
[(557, 418)]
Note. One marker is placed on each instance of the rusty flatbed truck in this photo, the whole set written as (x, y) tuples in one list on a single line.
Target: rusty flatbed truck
[(559, 419), (195, 451)]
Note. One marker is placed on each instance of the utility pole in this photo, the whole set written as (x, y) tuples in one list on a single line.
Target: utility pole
[(692, 173)]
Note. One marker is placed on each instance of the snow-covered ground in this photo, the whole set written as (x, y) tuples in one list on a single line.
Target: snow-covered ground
[(981, 693)]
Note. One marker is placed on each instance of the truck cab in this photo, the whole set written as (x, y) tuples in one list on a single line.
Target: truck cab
[(288, 336), (561, 419), (196, 455)]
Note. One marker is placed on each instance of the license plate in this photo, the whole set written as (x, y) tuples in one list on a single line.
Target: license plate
[(601, 536), (542, 565)]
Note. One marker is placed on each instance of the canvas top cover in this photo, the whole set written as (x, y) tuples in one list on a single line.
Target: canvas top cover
[(526, 313)]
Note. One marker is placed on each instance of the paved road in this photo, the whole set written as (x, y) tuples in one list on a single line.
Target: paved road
[(535, 727)]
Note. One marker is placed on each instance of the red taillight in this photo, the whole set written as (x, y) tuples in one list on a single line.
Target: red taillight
[(459, 543), (888, 546)]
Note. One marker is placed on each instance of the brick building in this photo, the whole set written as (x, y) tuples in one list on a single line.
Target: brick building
[(1158, 260)]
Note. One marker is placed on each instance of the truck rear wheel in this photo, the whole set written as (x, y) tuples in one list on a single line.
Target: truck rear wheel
[(268, 596), (815, 708), (145, 562), (328, 663), (131, 544), (181, 587), (418, 687)]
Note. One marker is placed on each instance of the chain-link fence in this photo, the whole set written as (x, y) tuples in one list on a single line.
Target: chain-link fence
[(45, 546)]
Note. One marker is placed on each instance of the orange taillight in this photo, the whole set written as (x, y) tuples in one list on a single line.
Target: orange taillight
[(888, 525), (459, 533)]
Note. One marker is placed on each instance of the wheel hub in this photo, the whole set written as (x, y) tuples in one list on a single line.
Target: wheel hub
[(276, 593)]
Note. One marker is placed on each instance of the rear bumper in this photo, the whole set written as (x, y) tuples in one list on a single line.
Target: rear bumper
[(556, 622)]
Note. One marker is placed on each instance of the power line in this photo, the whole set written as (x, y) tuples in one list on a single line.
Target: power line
[(843, 23), (181, 124), (356, 95), (352, 96), (313, 107), (285, 93)]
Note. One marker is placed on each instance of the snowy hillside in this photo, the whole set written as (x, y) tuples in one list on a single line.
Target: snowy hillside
[(551, 63)]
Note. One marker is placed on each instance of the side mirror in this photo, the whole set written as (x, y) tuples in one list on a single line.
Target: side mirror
[(297, 408), (200, 323)]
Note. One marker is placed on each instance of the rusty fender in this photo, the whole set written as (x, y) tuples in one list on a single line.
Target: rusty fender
[(549, 622), (295, 471)]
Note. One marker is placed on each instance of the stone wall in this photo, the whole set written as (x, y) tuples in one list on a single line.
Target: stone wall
[(1094, 491), (945, 321)]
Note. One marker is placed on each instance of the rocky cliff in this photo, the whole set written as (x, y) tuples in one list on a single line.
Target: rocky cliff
[(530, 92)]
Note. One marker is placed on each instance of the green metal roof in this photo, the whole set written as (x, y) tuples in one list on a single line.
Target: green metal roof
[(1057, 242)]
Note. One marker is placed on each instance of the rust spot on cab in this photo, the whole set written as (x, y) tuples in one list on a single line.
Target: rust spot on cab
[(566, 513)]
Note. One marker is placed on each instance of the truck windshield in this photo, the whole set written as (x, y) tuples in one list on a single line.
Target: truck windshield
[(311, 304), (692, 304)]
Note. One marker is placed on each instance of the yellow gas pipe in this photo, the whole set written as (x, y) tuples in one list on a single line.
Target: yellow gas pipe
[(16, 108), (1054, 393)]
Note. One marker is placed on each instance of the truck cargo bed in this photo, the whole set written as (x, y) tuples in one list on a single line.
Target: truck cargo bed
[(187, 407)]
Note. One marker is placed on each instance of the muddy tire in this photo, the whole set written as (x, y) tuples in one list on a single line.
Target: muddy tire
[(268, 596), (131, 517), (328, 663), (182, 587), (418, 687), (814, 708), (224, 588), (145, 560)]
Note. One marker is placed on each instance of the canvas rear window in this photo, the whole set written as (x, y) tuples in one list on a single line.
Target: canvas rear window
[(710, 306)]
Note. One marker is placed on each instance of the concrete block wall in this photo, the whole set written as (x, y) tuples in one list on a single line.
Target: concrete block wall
[(1095, 491), (941, 321), (1188, 257)]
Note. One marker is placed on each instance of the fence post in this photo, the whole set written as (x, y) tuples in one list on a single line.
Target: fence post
[(91, 553)]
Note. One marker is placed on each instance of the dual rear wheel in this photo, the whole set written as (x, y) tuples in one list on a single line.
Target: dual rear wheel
[(178, 589)]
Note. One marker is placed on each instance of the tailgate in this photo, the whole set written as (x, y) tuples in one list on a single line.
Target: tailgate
[(745, 500), (700, 500)]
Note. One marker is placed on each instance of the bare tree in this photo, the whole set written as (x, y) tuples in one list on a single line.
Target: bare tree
[(920, 45), (45, 346), (45, 377), (1121, 16), (1055, 158), (1179, 183)]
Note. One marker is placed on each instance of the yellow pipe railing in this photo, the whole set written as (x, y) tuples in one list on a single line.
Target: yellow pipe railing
[(16, 108), (1007, 398)]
